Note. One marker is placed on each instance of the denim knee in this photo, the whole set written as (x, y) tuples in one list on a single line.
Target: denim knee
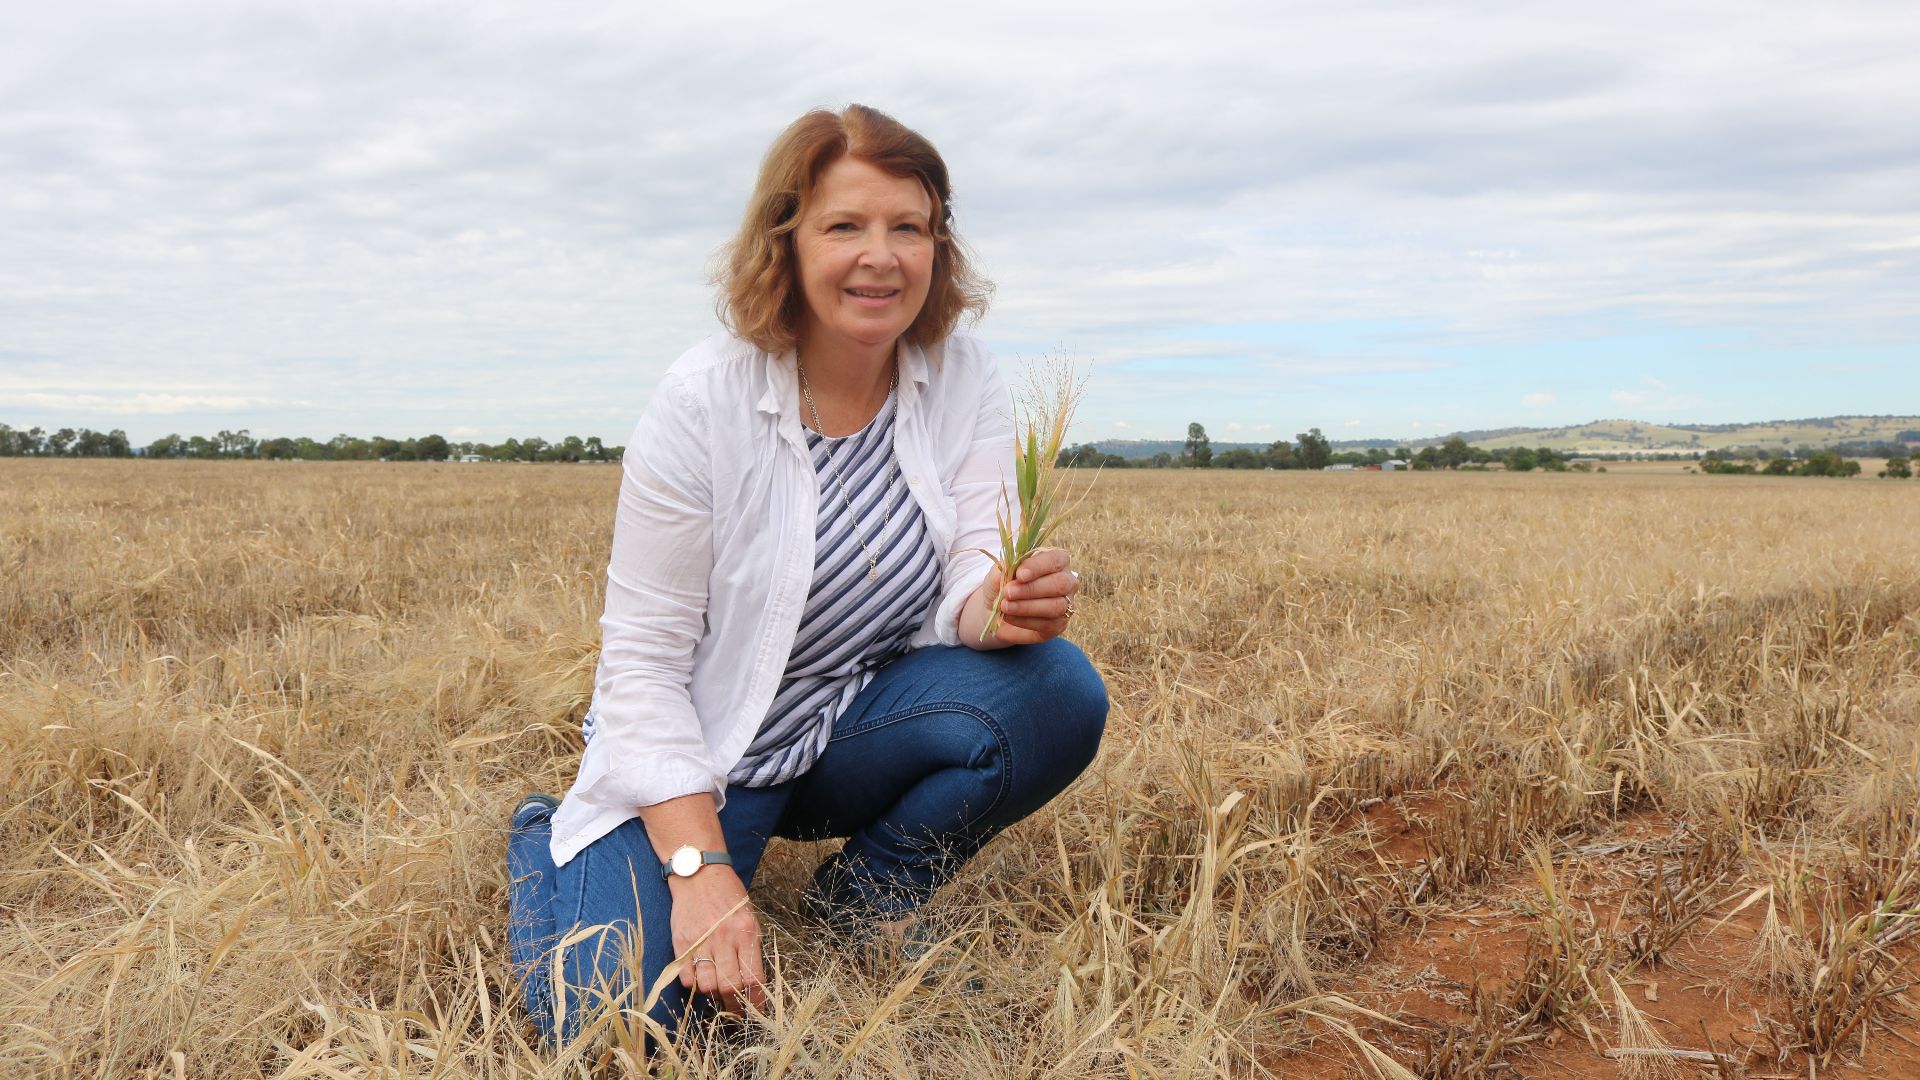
[(1055, 732), (1076, 697)]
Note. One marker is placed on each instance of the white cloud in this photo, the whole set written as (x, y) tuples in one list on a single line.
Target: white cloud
[(1651, 390), (1120, 423), (393, 152), (1655, 396), (135, 404), (1351, 424), (1538, 399), (1233, 426)]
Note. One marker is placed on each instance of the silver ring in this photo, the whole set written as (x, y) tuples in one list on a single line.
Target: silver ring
[(703, 959)]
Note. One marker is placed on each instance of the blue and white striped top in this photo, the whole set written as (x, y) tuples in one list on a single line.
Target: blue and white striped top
[(852, 624)]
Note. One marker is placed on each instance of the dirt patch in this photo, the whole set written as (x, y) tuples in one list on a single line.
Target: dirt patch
[(1458, 965)]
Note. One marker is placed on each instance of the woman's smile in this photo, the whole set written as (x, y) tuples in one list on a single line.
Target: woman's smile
[(872, 297)]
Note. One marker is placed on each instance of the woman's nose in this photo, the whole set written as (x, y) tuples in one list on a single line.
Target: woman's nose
[(877, 252)]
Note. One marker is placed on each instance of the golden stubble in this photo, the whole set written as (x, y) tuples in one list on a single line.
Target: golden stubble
[(263, 723)]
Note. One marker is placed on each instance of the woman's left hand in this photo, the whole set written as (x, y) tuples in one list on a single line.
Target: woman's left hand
[(1039, 602)]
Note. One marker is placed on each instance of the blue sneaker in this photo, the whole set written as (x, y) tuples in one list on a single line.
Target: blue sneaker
[(533, 808)]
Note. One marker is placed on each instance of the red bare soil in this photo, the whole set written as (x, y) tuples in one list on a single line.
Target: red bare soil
[(1703, 993)]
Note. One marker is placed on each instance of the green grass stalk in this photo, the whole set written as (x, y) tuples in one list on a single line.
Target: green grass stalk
[(1029, 516)]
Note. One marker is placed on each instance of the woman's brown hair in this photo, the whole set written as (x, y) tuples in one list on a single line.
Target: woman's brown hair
[(760, 294)]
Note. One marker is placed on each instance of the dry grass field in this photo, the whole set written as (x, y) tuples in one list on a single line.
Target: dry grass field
[(1443, 776)]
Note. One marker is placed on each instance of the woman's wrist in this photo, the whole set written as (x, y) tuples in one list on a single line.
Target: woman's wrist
[(685, 821), (973, 618)]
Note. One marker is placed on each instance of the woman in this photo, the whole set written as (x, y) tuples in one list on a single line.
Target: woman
[(793, 639)]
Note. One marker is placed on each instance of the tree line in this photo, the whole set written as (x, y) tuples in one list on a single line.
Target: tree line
[(85, 442), (1312, 450), (1900, 465)]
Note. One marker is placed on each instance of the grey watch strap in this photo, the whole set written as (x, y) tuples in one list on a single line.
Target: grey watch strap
[(707, 858)]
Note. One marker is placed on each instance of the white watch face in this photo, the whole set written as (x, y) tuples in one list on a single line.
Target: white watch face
[(686, 861)]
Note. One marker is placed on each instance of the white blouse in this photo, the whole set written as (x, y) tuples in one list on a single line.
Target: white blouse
[(713, 557)]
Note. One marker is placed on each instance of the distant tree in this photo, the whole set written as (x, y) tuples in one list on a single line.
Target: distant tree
[(60, 442), (533, 449), (1897, 469), (1198, 452), (236, 443), (1827, 463), (595, 448), (432, 448), (1521, 459), (1820, 464), (1238, 458), (1163, 460), (1089, 456), (91, 443), (1779, 466), (1313, 449), (1280, 455), (1455, 452)]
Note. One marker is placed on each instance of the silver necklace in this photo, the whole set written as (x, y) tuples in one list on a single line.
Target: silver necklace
[(893, 474)]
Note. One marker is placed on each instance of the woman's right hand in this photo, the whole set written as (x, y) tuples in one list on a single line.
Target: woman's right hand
[(714, 899)]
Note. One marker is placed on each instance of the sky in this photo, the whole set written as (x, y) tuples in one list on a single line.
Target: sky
[(1383, 219)]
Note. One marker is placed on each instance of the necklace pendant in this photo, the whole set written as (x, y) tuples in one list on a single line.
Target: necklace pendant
[(873, 569)]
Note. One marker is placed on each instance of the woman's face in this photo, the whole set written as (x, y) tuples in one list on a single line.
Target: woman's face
[(865, 246)]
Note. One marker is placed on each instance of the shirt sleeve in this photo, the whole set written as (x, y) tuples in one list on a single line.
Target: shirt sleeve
[(976, 486), (647, 745)]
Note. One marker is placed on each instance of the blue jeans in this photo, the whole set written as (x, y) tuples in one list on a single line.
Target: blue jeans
[(942, 750)]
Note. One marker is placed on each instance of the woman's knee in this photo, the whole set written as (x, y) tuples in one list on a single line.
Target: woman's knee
[(1074, 697), (612, 971), (1055, 733), (614, 930)]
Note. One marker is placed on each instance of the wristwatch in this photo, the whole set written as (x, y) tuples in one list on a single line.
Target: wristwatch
[(687, 861)]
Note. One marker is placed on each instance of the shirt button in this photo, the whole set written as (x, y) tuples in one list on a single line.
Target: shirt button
[(914, 479)]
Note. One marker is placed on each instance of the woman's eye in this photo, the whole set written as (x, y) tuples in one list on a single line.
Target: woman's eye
[(840, 226), (908, 227)]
